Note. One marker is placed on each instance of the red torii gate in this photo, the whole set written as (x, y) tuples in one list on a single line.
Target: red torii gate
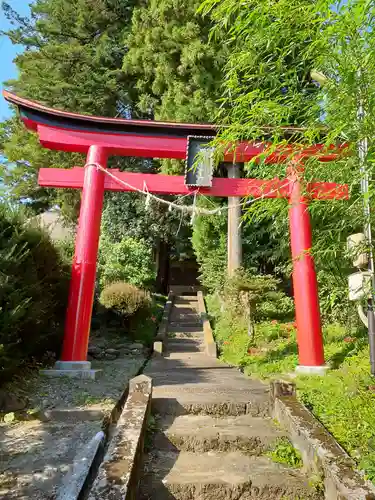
[(100, 137)]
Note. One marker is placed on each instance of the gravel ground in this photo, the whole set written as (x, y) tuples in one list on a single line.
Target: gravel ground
[(35, 454)]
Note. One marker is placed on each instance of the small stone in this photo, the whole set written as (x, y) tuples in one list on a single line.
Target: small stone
[(123, 345), (113, 351), (136, 346), (10, 402), (94, 350), (9, 418), (99, 356), (110, 357)]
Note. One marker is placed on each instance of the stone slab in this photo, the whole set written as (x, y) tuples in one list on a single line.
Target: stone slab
[(312, 370), (40, 454), (72, 415), (186, 322), (186, 334), (118, 474), (158, 347), (162, 330), (72, 484), (83, 374), (184, 289), (180, 299), (189, 307), (211, 347), (176, 346), (206, 403), (72, 365), (202, 433), (183, 327), (221, 476)]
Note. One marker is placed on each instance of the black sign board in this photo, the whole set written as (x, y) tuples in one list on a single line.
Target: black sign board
[(199, 161)]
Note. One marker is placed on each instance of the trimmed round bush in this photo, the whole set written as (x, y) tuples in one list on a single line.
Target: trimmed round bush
[(124, 298)]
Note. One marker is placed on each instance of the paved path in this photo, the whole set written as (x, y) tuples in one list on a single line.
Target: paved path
[(213, 426)]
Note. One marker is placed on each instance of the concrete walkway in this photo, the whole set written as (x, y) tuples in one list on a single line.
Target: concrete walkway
[(213, 426)]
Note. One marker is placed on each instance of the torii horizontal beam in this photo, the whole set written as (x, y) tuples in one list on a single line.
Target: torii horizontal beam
[(175, 185), (73, 132)]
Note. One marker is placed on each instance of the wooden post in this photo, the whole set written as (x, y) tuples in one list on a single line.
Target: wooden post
[(234, 224)]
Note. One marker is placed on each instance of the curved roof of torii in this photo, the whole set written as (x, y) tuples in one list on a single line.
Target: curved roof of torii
[(74, 132), (34, 113)]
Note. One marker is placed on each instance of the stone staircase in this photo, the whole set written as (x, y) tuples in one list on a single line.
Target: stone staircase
[(212, 426)]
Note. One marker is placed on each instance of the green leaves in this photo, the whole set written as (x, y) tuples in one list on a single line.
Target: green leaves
[(177, 69), (124, 298), (285, 453), (33, 292), (273, 46), (128, 260), (73, 61)]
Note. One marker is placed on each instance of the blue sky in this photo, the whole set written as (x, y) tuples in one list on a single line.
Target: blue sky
[(9, 51)]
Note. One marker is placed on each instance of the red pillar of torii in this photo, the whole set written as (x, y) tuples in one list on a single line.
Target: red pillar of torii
[(100, 137)]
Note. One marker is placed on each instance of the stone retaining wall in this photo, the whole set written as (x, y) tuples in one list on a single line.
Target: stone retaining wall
[(322, 456)]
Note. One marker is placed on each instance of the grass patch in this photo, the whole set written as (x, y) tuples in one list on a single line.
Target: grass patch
[(285, 453), (151, 429), (343, 400)]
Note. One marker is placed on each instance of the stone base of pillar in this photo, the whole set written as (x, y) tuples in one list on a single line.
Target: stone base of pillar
[(72, 369), (312, 370)]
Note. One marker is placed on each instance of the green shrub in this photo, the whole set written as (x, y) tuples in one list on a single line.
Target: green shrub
[(249, 348), (33, 292), (257, 296), (285, 453), (66, 249), (124, 298), (130, 260), (335, 305)]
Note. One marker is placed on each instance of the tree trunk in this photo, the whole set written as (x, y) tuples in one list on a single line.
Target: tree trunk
[(162, 263)]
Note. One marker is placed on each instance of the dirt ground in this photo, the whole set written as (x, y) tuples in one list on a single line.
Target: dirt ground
[(64, 415)]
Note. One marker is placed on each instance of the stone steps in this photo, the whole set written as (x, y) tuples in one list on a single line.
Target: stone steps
[(213, 426), (178, 299), (178, 334), (220, 476), (186, 306), (184, 315), (184, 327), (172, 400), (185, 345), (203, 433), (185, 320)]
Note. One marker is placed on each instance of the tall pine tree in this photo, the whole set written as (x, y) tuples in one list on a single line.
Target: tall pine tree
[(72, 60), (177, 69)]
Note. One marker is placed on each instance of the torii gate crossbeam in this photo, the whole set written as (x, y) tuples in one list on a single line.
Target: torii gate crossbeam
[(100, 137)]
